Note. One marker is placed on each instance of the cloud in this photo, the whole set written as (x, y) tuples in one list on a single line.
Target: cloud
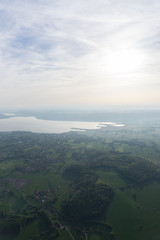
[(66, 47)]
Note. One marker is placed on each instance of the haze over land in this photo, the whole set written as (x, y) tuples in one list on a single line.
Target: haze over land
[(67, 52)]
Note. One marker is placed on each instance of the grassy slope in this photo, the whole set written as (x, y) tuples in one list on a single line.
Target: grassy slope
[(133, 219)]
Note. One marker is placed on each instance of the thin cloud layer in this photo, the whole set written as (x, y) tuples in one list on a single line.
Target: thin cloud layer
[(79, 52)]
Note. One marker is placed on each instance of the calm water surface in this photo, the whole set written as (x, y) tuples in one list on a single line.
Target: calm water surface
[(44, 126)]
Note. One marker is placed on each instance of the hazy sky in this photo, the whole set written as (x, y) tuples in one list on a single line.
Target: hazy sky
[(65, 52)]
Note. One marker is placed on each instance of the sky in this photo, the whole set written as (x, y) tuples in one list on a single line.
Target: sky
[(78, 52)]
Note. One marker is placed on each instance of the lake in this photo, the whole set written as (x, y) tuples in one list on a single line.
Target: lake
[(36, 125)]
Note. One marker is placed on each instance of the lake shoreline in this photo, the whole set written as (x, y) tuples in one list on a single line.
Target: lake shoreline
[(33, 124)]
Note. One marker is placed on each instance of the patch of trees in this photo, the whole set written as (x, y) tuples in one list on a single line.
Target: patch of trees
[(87, 203), (140, 172), (136, 170), (80, 174), (10, 223)]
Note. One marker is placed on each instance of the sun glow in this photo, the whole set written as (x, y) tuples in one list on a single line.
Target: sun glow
[(124, 61)]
